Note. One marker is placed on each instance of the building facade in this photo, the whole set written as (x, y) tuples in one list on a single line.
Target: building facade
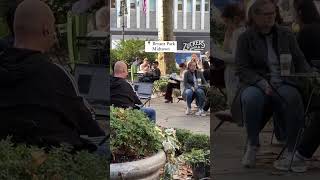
[(191, 22)]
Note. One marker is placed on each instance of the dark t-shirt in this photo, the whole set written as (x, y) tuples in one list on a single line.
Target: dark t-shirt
[(40, 103), (122, 94)]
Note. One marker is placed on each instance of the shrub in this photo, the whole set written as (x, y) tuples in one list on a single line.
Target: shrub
[(28, 162), (197, 141), (161, 85), (197, 156), (183, 135), (133, 135)]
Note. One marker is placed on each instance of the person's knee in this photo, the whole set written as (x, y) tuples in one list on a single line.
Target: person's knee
[(252, 95), (291, 95), (200, 92), (189, 92), (152, 111)]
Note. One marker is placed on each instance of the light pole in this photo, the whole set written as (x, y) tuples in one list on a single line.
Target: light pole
[(123, 12)]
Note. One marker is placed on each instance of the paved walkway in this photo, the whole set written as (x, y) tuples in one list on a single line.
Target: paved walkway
[(227, 150), (227, 146), (173, 115)]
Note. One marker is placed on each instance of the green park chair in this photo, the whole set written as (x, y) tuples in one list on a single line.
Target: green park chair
[(133, 71), (3, 28), (76, 26)]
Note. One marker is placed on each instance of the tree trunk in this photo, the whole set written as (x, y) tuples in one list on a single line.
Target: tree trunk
[(166, 60)]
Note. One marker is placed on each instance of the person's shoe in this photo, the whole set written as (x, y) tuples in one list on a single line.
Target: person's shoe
[(249, 158), (188, 111), (199, 112), (298, 164), (168, 101), (204, 113)]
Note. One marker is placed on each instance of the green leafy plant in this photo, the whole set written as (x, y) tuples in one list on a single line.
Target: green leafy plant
[(161, 85), (128, 50), (170, 145), (19, 161), (197, 156), (197, 141), (133, 136), (183, 135)]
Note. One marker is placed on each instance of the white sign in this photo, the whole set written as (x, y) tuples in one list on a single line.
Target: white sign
[(160, 46), (197, 45)]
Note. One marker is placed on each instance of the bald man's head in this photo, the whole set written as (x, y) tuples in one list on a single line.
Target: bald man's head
[(34, 25), (120, 70)]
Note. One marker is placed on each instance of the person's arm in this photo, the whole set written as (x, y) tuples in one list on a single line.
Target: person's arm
[(75, 108), (298, 58), (133, 94), (203, 80), (245, 72), (185, 81)]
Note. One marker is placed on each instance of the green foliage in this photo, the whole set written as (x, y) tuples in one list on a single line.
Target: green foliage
[(197, 141), (27, 162), (129, 49), (133, 135), (3, 28), (217, 28), (170, 145), (183, 135), (161, 85), (197, 156)]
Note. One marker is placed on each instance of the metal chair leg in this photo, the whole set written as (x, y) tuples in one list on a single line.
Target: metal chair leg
[(282, 151), (218, 126), (273, 132), (295, 147)]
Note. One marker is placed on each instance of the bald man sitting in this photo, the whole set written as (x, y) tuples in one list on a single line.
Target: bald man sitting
[(122, 94), (39, 102)]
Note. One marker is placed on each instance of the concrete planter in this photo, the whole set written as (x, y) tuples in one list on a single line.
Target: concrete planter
[(145, 169)]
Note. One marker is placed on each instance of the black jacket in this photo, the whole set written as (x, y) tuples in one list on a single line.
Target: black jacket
[(122, 94), (309, 41), (39, 103)]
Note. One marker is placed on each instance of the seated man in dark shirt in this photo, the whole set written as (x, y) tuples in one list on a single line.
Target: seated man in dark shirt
[(39, 103), (122, 94)]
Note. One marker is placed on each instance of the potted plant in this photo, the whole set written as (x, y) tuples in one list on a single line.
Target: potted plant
[(196, 152), (136, 146), (199, 160)]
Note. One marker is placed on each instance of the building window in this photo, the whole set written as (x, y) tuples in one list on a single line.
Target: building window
[(133, 4), (180, 7), (152, 5), (189, 5), (207, 5), (113, 3), (198, 5)]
